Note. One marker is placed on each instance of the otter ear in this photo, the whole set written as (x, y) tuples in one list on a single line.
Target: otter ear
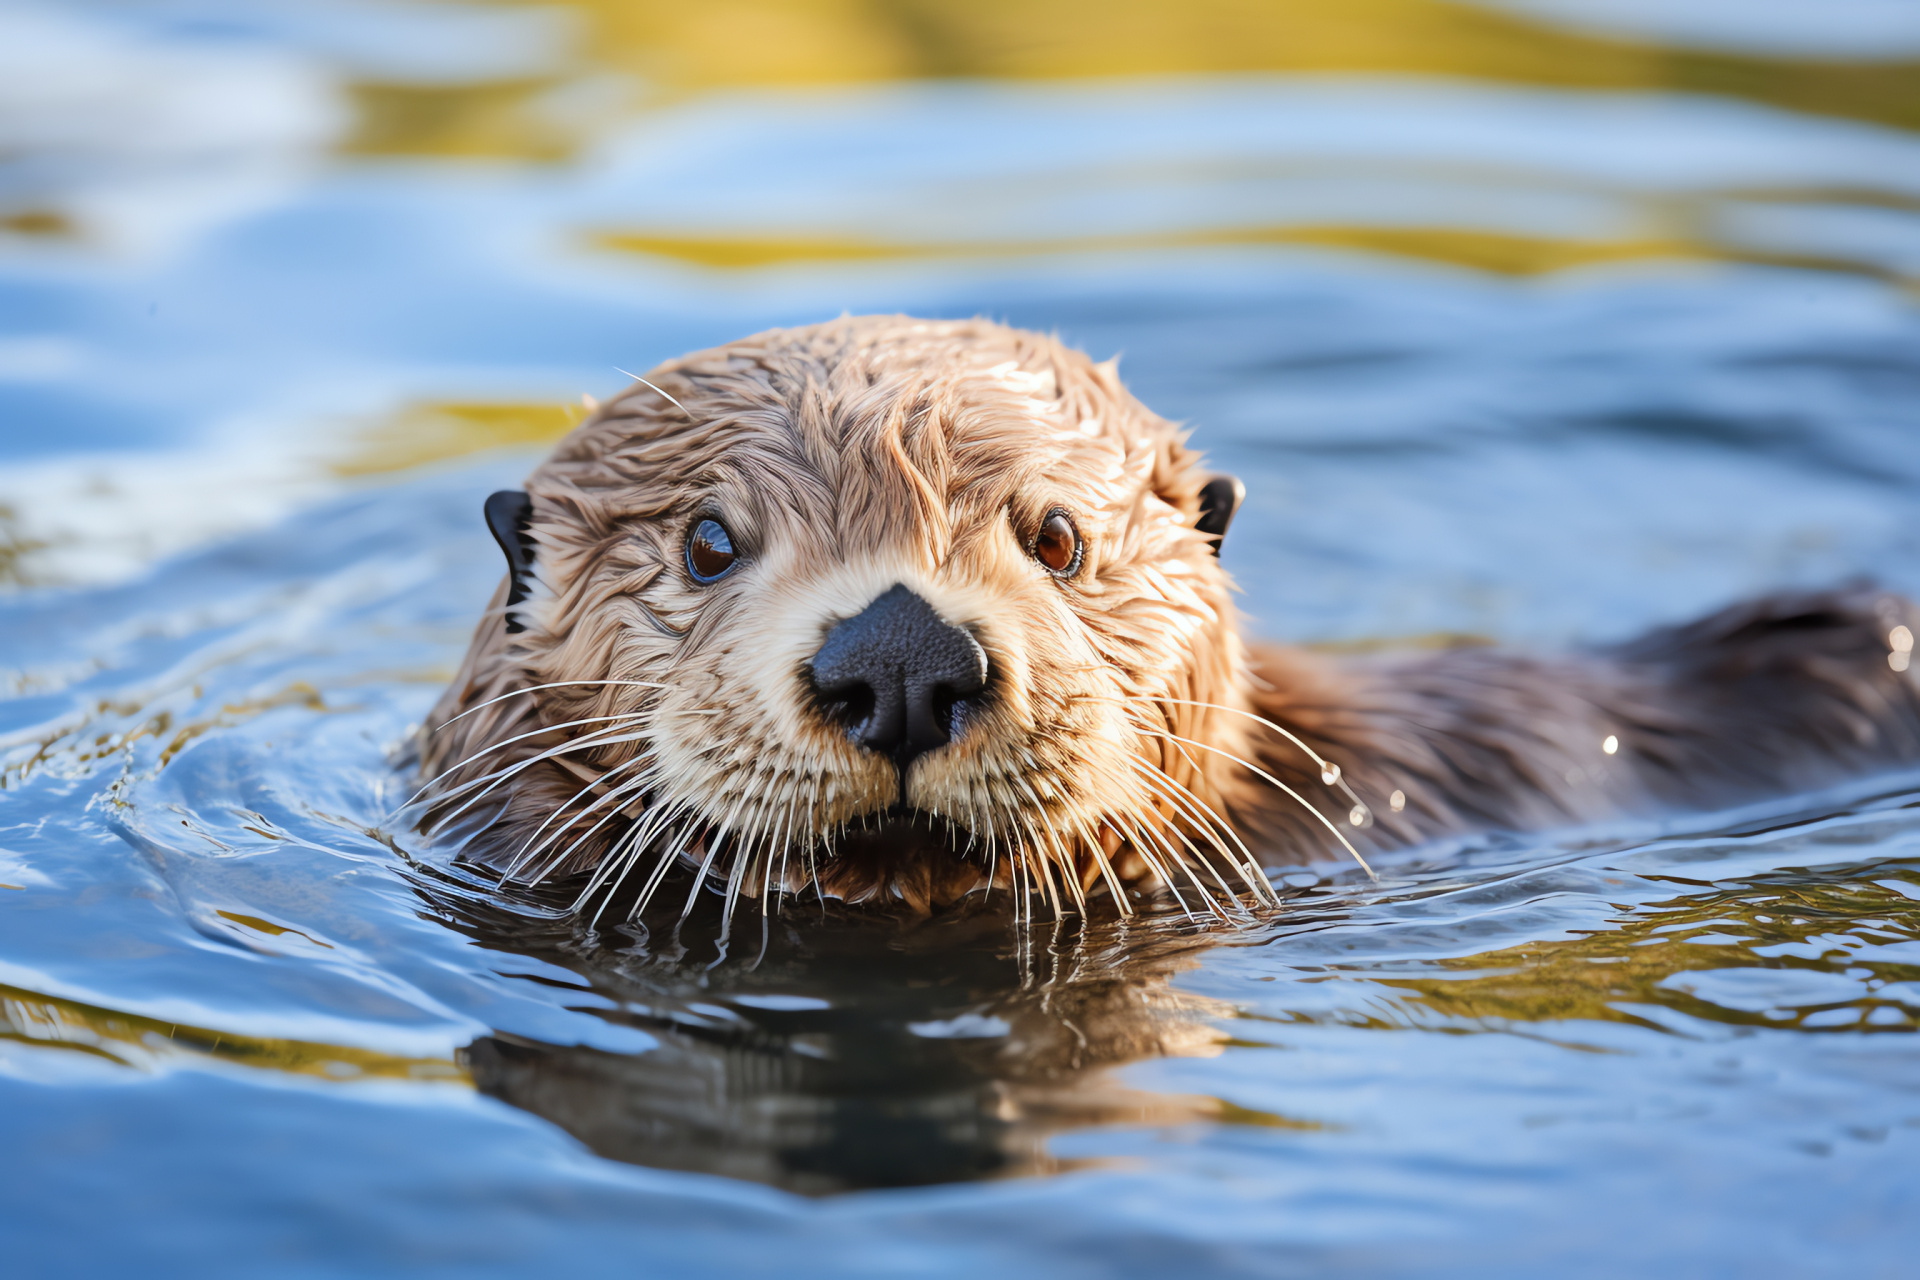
[(1219, 499), (508, 514)]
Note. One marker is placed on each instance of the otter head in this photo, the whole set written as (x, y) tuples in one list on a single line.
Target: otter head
[(881, 608)]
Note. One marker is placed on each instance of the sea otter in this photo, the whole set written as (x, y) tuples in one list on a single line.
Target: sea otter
[(896, 610)]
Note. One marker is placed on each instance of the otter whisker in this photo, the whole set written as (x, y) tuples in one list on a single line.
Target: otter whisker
[(1023, 877), (606, 867), (1159, 836), (504, 771), (1155, 837), (1206, 824), (616, 800), (556, 684), (714, 841), (630, 848), (1166, 877), (502, 775), (1027, 863), (617, 795), (719, 837), (1097, 852), (1147, 853), (1158, 774), (670, 853), (1035, 846), (1286, 733), (1262, 773), (993, 856), (573, 799), (769, 886), (1069, 868), (1184, 800), (797, 807), (1330, 773), (625, 854), (1057, 856), (813, 865), (574, 744), (540, 732), (1070, 877), (1325, 766), (560, 858), (657, 391), (778, 839), (743, 861), (1052, 855), (628, 851), (616, 803)]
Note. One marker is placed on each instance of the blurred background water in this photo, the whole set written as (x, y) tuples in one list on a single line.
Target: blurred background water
[(1544, 320)]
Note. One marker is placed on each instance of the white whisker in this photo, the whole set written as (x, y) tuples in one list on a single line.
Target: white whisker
[(501, 775), (1282, 786), (1193, 807), (557, 684), (657, 391)]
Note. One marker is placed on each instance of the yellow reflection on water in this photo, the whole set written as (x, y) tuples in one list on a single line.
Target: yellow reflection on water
[(79, 745), (268, 927), (27, 1017), (15, 549), (676, 49), (435, 431), (1500, 252), (490, 119), (37, 222), (1804, 924), (1497, 252)]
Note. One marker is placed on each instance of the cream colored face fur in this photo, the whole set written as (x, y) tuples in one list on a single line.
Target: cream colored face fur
[(843, 459)]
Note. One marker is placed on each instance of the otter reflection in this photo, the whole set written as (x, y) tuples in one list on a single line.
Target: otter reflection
[(857, 1050)]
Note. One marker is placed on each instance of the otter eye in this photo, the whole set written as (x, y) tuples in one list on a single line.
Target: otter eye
[(1058, 545), (709, 551)]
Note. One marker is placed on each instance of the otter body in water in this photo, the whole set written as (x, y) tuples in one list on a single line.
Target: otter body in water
[(899, 610)]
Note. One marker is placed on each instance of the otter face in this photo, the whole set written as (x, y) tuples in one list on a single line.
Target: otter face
[(885, 607)]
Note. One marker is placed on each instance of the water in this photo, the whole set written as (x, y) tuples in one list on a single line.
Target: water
[(1546, 322)]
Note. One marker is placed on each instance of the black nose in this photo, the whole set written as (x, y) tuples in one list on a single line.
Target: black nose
[(897, 674)]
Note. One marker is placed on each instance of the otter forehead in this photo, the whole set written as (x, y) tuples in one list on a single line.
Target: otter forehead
[(867, 431)]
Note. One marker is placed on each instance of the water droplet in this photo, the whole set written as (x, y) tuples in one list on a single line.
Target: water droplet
[(1900, 640), (1898, 660), (1398, 800), (1359, 816), (1610, 744), (1329, 773)]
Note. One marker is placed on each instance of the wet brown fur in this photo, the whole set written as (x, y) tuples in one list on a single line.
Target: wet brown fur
[(848, 456)]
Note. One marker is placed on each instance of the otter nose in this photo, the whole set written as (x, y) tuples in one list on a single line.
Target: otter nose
[(896, 673)]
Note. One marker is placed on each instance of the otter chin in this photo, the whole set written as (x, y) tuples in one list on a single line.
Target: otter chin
[(902, 611)]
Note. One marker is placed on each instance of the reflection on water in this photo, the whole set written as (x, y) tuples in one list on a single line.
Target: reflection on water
[(1790, 950), (1505, 254), (148, 1044), (677, 49), (852, 1052), (1520, 320), (434, 432)]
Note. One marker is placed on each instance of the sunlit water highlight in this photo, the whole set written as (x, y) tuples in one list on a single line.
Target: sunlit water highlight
[(1497, 355)]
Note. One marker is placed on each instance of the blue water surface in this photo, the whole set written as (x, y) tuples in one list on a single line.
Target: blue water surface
[(253, 384)]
